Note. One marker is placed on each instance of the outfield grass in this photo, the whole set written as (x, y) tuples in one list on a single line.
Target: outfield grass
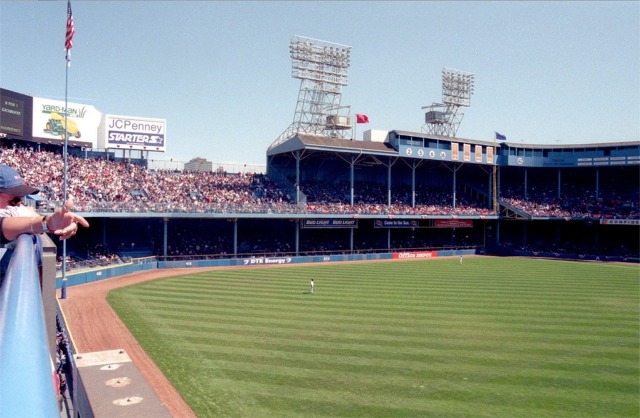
[(494, 337)]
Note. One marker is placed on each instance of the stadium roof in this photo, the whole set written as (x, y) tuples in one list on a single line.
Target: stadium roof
[(599, 145), (301, 142)]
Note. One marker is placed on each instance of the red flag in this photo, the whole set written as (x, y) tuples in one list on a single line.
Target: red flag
[(68, 41), (360, 118)]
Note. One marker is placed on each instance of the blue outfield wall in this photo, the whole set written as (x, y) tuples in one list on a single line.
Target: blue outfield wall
[(266, 261), (74, 279), (147, 264)]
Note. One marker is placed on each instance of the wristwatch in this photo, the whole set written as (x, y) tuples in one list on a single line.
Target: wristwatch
[(45, 228)]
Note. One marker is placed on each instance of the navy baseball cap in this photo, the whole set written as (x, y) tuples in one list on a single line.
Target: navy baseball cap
[(11, 183)]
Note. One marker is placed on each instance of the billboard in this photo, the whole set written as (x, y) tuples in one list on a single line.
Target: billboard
[(132, 132), (396, 223), (11, 116), (453, 223), (329, 223), (415, 255), (15, 115), (49, 122)]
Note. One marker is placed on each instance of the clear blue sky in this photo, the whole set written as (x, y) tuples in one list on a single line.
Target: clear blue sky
[(220, 72)]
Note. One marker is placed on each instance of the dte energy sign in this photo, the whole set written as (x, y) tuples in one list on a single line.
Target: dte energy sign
[(129, 132)]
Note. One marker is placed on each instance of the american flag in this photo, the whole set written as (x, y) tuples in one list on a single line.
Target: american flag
[(68, 42)]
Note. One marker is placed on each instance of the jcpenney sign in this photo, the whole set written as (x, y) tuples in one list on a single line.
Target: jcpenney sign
[(128, 132)]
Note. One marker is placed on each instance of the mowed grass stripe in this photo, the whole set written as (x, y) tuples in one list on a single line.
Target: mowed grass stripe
[(430, 330), (340, 344), (441, 374), (472, 400), (336, 294), (368, 388), (555, 322), (415, 302), (334, 288), (467, 278), (428, 316), (506, 324), (377, 356)]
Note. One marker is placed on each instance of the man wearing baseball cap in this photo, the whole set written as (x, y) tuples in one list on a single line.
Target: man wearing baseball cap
[(62, 222), (12, 184)]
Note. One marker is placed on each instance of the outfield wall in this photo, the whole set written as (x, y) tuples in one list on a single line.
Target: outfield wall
[(150, 263), (105, 273)]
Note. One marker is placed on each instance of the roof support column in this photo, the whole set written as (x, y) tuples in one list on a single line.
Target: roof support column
[(297, 177), (165, 223), (490, 188), (453, 193), (559, 186), (389, 183), (498, 194), (235, 237), (413, 185), (352, 164)]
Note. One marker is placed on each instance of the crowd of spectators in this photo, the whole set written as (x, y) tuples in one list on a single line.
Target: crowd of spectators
[(575, 201), (102, 185), (370, 198), (90, 257)]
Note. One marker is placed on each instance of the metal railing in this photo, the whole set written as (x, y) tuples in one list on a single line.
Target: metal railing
[(26, 345)]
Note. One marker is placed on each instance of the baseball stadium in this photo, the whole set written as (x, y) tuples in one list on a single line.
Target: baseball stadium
[(392, 274)]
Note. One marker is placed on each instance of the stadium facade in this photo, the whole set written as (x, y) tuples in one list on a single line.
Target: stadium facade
[(392, 190)]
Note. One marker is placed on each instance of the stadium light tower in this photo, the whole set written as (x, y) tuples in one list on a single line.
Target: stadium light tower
[(444, 118), (322, 68)]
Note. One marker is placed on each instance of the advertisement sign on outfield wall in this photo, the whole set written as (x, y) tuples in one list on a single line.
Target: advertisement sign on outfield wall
[(266, 261), (133, 132), (49, 122), (415, 255)]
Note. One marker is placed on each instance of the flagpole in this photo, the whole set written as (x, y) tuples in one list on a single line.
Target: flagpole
[(355, 131), (64, 177), (68, 44)]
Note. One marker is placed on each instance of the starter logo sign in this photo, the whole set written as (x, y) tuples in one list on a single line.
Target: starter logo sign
[(134, 133)]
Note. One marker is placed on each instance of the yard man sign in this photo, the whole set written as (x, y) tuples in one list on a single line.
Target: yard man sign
[(52, 120), (131, 132)]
